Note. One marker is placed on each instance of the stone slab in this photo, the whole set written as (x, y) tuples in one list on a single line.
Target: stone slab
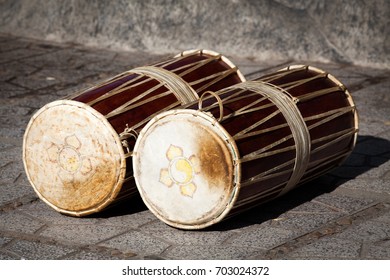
[(316, 30)]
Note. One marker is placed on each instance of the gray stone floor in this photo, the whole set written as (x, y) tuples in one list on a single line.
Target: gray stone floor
[(342, 215)]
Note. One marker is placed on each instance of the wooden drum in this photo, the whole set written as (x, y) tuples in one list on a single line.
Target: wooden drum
[(77, 151), (193, 170)]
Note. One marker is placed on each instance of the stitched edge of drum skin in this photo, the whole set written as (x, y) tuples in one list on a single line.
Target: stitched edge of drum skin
[(346, 92), (236, 173), (213, 53), (286, 104), (121, 170)]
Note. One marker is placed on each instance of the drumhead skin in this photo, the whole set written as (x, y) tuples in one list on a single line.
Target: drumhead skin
[(186, 169), (73, 157)]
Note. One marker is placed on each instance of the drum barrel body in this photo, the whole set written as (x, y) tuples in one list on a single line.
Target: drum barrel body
[(279, 131), (331, 121), (145, 95), (329, 113), (77, 151)]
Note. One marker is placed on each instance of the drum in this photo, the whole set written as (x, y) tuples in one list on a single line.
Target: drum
[(77, 151), (243, 146)]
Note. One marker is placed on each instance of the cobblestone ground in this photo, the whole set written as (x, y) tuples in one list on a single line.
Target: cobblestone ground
[(342, 215)]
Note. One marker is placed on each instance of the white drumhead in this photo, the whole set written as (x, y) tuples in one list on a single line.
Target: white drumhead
[(73, 157), (184, 166)]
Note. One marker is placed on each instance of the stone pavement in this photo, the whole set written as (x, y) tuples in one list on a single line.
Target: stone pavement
[(342, 215)]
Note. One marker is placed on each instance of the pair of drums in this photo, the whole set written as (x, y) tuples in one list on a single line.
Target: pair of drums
[(195, 161), (77, 151)]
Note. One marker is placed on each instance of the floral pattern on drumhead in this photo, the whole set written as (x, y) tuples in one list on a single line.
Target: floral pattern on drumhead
[(181, 171), (67, 157)]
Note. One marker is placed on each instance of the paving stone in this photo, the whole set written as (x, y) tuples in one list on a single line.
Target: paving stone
[(385, 218), (371, 127), (15, 222), (10, 155), (82, 234), (137, 242), (11, 192), (386, 135), (38, 251), (329, 248), (253, 216), (369, 72), (10, 114), (4, 146), (385, 243), (312, 208), (59, 58), (35, 81), (9, 130), (218, 252), (9, 173), (12, 44), (264, 237), (378, 253), (34, 101), (381, 114), (4, 240), (369, 185), (18, 54), (182, 237), (46, 214), (11, 166), (349, 172), (48, 72), (304, 222), (6, 256), (10, 71), (133, 220), (87, 255), (346, 204), (368, 231), (14, 121), (376, 172), (22, 180), (49, 77)]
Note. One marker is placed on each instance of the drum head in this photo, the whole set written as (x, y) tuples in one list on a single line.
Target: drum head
[(73, 157), (184, 166)]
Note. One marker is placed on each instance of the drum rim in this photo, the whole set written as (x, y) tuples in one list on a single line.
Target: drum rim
[(343, 88), (122, 167), (236, 171), (214, 53)]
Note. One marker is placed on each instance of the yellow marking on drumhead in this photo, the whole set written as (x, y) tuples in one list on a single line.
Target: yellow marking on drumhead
[(174, 151), (165, 178), (69, 159), (181, 170), (188, 189)]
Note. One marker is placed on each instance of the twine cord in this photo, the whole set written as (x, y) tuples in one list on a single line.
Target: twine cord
[(287, 106)]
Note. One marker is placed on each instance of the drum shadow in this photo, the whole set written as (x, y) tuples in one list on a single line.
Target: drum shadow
[(125, 207), (370, 152)]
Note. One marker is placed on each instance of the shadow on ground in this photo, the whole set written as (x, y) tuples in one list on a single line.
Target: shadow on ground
[(367, 146)]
